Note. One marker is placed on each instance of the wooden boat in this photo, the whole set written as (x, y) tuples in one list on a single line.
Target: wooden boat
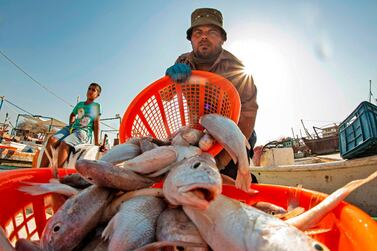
[(326, 176), (9, 156), (323, 145), (324, 141)]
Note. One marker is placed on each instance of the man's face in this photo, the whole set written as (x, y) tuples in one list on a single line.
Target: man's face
[(206, 41)]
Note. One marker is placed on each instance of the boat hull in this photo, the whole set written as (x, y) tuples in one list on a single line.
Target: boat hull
[(323, 145), (327, 177)]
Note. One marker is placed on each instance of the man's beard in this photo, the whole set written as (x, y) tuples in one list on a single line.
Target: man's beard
[(208, 54)]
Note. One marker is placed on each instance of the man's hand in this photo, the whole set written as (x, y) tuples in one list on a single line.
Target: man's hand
[(179, 72)]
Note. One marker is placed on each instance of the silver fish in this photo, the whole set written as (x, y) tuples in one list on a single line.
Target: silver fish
[(121, 153), (153, 160), (135, 224), (206, 142), (195, 174), (228, 134), (147, 145), (78, 216), (269, 208), (185, 152), (174, 225), (228, 224), (191, 135), (105, 174), (114, 206), (27, 245)]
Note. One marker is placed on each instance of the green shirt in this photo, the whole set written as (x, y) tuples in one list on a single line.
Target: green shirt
[(85, 116)]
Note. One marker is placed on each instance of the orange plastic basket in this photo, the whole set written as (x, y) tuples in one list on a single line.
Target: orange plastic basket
[(165, 106), (24, 216)]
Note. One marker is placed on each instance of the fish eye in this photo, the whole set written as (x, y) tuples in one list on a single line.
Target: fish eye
[(89, 178), (318, 247), (180, 248), (56, 228), (196, 165)]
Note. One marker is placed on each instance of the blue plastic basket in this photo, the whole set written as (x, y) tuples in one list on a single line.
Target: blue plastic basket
[(358, 132)]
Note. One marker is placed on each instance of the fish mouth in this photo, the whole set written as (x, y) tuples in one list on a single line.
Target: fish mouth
[(205, 191)]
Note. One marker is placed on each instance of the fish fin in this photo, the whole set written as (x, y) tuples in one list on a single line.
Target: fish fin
[(34, 189), (52, 180), (315, 231), (294, 197), (159, 244), (314, 215), (292, 213), (109, 230), (228, 180)]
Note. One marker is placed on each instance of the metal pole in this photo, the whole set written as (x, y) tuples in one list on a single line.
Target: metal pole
[(1, 103), (370, 90)]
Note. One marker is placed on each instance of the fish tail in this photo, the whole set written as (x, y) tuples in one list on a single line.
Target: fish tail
[(315, 214)]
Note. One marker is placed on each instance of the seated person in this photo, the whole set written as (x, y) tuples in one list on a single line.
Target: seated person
[(83, 121)]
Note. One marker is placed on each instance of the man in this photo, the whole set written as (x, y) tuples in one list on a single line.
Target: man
[(207, 37)]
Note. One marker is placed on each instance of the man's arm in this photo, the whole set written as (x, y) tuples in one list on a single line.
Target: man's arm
[(96, 130)]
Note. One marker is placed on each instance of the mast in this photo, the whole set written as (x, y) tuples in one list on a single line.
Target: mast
[(306, 130), (370, 90)]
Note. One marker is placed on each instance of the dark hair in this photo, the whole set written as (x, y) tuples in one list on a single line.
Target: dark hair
[(99, 89)]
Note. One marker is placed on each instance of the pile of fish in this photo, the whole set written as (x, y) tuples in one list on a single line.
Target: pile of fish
[(113, 205)]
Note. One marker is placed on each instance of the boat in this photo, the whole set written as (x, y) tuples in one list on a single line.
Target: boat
[(325, 139), (326, 174)]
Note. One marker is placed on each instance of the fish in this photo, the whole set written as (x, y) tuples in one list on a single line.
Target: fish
[(229, 224), (93, 241), (185, 152), (172, 245), (223, 221), (269, 208), (135, 224), (227, 133), (146, 145), (196, 174), (113, 207), (78, 216), (312, 216), (5, 244), (105, 174), (178, 140), (191, 135), (27, 245), (74, 180), (173, 225), (35, 188), (153, 160), (121, 153), (206, 142)]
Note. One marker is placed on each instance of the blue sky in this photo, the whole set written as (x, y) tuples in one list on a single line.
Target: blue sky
[(310, 60)]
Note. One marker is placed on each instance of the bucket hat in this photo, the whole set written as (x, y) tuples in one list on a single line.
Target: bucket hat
[(206, 16)]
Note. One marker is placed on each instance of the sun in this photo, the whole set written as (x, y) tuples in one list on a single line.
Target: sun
[(263, 60)]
